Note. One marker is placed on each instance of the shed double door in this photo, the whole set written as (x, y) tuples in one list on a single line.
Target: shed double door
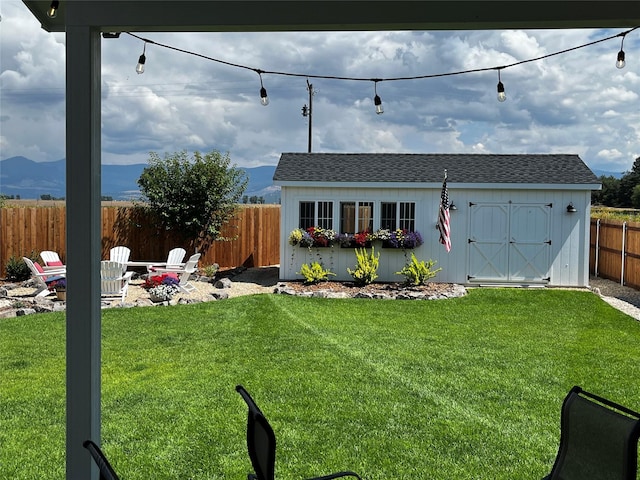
[(509, 242)]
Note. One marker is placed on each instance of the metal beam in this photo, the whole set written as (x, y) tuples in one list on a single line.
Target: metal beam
[(333, 15)]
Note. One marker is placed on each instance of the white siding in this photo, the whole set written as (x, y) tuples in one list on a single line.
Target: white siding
[(568, 256)]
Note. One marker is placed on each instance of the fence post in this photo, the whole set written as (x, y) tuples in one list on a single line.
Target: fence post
[(623, 253), (597, 247)]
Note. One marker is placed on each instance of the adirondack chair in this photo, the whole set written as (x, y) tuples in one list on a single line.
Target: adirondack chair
[(184, 273), (121, 255), (113, 282), (42, 278), (174, 260), (51, 260)]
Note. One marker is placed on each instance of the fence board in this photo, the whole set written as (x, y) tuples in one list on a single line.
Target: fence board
[(610, 251), (255, 231)]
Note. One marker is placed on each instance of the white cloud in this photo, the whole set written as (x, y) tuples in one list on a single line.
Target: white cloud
[(572, 103)]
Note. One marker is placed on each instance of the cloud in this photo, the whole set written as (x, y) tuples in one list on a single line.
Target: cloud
[(572, 103)]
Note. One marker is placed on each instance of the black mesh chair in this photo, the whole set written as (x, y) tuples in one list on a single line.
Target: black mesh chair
[(261, 443), (598, 439), (106, 471)]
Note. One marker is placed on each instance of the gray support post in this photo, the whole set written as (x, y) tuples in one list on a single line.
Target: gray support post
[(83, 246)]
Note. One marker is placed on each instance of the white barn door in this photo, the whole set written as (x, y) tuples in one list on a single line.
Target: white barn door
[(509, 242)]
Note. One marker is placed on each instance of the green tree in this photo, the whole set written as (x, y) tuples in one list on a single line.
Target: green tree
[(627, 183), (635, 197), (193, 196), (608, 195)]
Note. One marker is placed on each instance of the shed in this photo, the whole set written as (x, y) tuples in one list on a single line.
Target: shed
[(514, 219)]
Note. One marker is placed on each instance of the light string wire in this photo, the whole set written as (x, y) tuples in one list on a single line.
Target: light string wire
[(389, 79)]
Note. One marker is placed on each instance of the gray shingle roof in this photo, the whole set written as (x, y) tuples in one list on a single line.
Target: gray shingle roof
[(428, 168)]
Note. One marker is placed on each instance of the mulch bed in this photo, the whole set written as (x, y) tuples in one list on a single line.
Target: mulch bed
[(351, 288)]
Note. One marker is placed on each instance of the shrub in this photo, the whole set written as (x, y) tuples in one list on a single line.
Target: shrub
[(314, 273), (17, 270), (418, 272), (210, 270), (366, 268)]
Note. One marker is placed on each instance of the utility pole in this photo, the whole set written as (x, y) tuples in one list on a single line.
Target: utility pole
[(308, 112)]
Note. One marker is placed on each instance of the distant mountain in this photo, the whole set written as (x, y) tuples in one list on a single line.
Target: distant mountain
[(600, 173), (29, 179)]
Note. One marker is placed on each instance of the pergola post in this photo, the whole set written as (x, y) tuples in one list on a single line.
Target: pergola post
[(83, 246)]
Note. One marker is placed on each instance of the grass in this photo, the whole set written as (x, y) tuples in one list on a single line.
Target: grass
[(467, 388)]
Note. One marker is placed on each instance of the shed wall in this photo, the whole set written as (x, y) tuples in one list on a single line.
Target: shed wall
[(568, 232)]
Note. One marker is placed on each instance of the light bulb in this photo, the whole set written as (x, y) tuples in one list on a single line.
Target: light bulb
[(140, 66), (263, 97), (620, 63), (501, 95), (53, 9), (378, 103)]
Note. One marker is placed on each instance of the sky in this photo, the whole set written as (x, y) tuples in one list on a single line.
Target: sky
[(573, 103)]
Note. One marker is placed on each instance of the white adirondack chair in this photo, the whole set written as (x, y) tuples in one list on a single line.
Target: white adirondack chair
[(174, 260), (51, 260), (43, 278), (121, 255), (113, 282), (184, 273)]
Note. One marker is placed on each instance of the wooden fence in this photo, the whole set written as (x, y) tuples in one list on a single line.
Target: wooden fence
[(255, 231), (614, 251), (614, 247)]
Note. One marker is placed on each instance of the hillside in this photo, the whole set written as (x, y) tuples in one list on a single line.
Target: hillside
[(20, 176)]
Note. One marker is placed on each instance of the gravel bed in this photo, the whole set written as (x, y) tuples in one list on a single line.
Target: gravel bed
[(625, 299)]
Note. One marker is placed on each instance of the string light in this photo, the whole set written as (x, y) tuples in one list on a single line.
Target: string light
[(142, 60), (501, 95), (376, 100), (53, 9), (264, 99), (620, 63)]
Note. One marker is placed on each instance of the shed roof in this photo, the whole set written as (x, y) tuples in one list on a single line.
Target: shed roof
[(556, 169)]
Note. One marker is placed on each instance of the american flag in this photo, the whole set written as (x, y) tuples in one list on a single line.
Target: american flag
[(443, 216)]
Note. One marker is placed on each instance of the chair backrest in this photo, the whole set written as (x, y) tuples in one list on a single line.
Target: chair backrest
[(175, 257), (51, 259), (119, 254), (106, 470), (261, 440), (189, 268), (37, 273), (111, 277), (598, 439)]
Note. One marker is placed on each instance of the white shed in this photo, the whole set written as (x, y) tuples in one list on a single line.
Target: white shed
[(514, 219)]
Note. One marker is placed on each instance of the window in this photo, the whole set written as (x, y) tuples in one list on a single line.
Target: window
[(307, 214), (325, 215), (308, 218), (388, 215), (398, 215), (354, 220)]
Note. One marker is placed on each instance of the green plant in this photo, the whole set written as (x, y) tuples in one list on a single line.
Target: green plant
[(417, 272), (315, 272), (17, 270), (366, 268), (210, 270)]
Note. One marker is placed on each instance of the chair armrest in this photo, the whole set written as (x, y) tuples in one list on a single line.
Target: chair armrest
[(169, 270), (59, 268), (126, 276), (49, 273)]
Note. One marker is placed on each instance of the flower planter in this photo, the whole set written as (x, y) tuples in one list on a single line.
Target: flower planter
[(159, 298), (61, 294)]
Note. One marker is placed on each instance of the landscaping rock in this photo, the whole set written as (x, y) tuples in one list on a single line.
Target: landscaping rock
[(223, 283)]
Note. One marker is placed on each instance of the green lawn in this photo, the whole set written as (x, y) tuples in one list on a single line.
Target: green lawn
[(467, 388)]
